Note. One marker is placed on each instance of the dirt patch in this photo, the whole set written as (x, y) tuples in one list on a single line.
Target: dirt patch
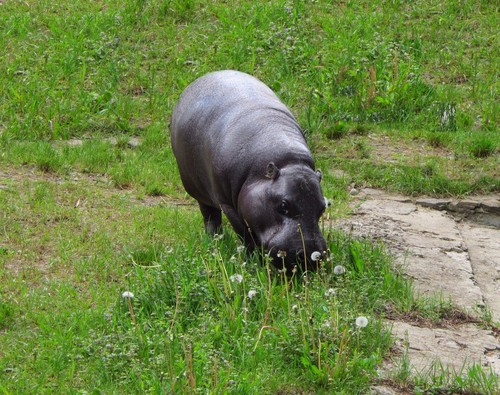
[(81, 204), (385, 149)]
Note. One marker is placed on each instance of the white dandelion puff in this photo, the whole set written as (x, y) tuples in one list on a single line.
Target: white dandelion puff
[(361, 322), (338, 270), (127, 295), (316, 256), (236, 278), (252, 293), (329, 292)]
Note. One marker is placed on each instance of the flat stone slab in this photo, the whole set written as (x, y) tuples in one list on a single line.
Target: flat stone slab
[(450, 248), (480, 204), (426, 242), (483, 210), (455, 349), (483, 245)]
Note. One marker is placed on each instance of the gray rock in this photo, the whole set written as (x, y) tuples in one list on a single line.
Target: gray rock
[(436, 204), (382, 390), (447, 256), (134, 142), (464, 206), (455, 348)]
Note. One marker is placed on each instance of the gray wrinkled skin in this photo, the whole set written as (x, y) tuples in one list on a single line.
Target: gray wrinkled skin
[(240, 150)]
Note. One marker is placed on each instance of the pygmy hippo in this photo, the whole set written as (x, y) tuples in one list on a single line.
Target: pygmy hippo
[(240, 150)]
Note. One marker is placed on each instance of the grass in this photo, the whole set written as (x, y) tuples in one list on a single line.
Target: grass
[(77, 237), (402, 96)]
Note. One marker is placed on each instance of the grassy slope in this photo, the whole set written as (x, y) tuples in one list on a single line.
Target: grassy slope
[(81, 224), (422, 70)]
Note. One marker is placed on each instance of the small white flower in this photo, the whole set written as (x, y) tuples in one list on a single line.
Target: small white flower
[(295, 307), (361, 322), (316, 256), (236, 278), (252, 293), (240, 249), (127, 295), (338, 270), (329, 292)]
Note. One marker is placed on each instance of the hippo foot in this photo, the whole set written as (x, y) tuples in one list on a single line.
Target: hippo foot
[(212, 218)]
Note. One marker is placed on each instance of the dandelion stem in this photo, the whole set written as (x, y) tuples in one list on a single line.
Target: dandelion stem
[(189, 367), (262, 331), (132, 314)]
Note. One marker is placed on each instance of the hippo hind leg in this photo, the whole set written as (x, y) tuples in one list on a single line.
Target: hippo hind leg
[(212, 217)]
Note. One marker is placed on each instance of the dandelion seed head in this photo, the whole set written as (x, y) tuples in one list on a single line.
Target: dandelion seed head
[(127, 295), (281, 254), (316, 256), (252, 293), (236, 278), (361, 322), (329, 292), (338, 270)]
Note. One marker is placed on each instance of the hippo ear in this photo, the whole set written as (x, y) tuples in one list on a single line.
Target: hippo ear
[(272, 171), (320, 174)]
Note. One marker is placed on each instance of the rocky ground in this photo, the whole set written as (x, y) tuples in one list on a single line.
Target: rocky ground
[(451, 248)]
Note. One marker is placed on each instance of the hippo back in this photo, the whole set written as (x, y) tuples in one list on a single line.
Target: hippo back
[(227, 122)]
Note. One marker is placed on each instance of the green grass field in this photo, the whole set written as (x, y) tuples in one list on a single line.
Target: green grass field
[(391, 94)]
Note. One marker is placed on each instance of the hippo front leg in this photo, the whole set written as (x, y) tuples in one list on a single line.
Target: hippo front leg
[(212, 218)]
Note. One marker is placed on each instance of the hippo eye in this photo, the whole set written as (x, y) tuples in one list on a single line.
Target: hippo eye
[(284, 207)]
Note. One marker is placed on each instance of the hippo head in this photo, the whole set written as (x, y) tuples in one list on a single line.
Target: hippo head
[(282, 211)]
